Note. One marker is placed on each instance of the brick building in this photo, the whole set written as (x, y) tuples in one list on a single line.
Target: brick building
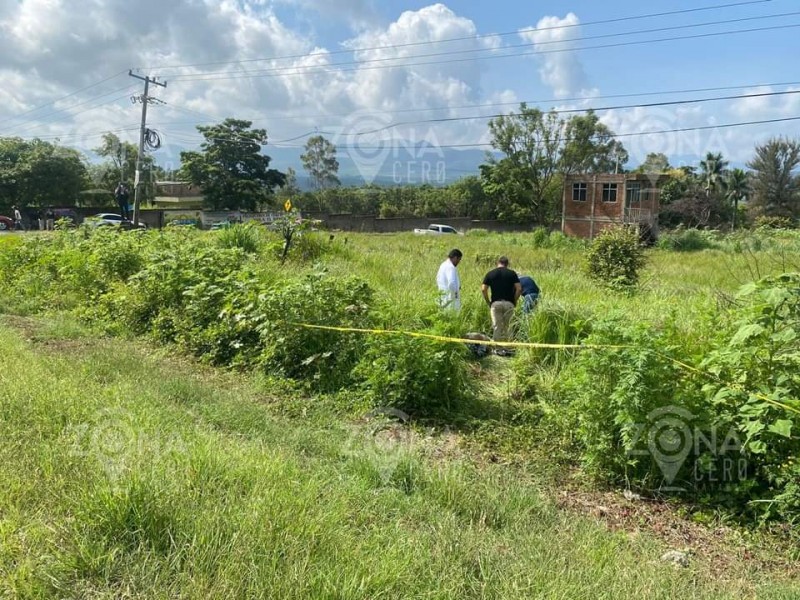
[(592, 203)]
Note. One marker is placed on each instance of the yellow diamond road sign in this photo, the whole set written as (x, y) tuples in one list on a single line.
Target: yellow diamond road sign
[(288, 205)]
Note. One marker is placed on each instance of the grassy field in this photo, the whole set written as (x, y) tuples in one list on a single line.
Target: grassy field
[(121, 475), (128, 470)]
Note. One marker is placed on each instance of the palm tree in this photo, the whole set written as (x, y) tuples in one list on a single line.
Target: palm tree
[(712, 171), (737, 185)]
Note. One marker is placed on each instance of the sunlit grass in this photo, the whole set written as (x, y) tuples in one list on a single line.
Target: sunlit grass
[(123, 476)]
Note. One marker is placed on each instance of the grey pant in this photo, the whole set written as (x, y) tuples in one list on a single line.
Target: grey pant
[(502, 311)]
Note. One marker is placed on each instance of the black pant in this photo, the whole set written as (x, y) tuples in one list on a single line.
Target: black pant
[(123, 209)]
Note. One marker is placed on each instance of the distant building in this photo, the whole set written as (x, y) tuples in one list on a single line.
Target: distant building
[(178, 195), (592, 203)]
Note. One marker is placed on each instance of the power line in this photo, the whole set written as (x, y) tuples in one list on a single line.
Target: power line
[(581, 110), (189, 77), (561, 111), (554, 111), (90, 134), (83, 89), (473, 37), (255, 74), (616, 135), (37, 123), (283, 117)]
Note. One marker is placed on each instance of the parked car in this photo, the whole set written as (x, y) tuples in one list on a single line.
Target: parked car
[(112, 220), (6, 224), (436, 230)]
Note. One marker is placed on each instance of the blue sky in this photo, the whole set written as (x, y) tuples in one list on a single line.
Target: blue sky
[(747, 58), (49, 48)]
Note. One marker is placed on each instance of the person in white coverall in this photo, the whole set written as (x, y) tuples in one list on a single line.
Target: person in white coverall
[(449, 283)]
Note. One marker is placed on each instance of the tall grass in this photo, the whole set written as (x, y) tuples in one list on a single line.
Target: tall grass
[(121, 476)]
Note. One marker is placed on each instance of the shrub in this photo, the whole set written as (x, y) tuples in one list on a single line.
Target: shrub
[(756, 390), (559, 240), (246, 236), (774, 222), (722, 430), (615, 258), (686, 240), (540, 238), (414, 375), (324, 359), (617, 394), (308, 247), (155, 297)]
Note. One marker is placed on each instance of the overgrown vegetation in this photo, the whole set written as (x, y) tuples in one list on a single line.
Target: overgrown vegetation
[(124, 475), (615, 259), (684, 341)]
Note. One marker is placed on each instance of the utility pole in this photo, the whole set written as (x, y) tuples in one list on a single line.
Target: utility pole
[(137, 184)]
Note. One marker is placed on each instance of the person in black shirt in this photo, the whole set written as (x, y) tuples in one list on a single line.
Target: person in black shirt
[(506, 290)]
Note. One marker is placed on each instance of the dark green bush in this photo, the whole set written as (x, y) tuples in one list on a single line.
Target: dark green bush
[(686, 240), (325, 359), (615, 258), (615, 395), (159, 290), (721, 428), (540, 238), (414, 375), (756, 391)]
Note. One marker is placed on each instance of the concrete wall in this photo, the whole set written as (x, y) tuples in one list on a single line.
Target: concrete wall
[(157, 218), (372, 224)]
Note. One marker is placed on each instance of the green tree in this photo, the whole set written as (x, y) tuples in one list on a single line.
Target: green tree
[(230, 168), (655, 162), (121, 166), (712, 172), (519, 182), (319, 160), (775, 189), (477, 204), (122, 156), (39, 173), (737, 186), (590, 147)]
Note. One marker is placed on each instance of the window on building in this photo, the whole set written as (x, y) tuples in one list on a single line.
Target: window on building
[(579, 192), (633, 189), (609, 192)]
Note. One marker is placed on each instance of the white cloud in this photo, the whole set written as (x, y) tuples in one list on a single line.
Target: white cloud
[(560, 66), (60, 46), (766, 107)]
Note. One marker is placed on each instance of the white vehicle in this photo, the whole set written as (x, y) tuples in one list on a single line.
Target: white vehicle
[(436, 230), (111, 220)]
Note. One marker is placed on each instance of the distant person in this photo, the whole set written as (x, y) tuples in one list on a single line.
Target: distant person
[(50, 219), (122, 195), (506, 290), (530, 293), (448, 281), (18, 224), (40, 219)]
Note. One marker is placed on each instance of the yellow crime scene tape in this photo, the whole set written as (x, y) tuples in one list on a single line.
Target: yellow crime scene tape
[(454, 340)]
